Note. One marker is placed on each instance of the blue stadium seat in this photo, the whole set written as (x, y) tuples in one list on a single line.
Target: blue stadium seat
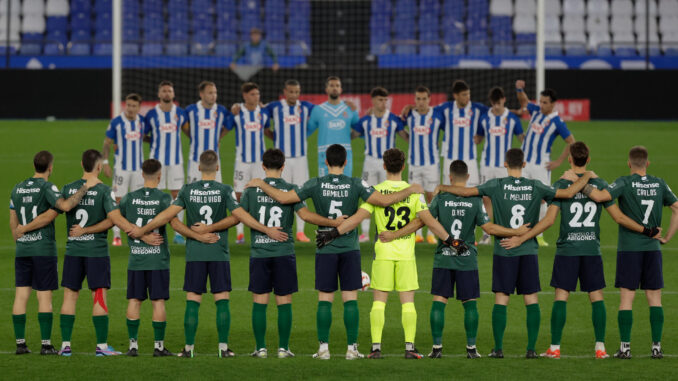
[(151, 6), (81, 21), (274, 9), (54, 49), (202, 6), (526, 38), (502, 49), (56, 36), (177, 21), (478, 36), (476, 24), (226, 6), (129, 34), (249, 7), (671, 51), (625, 51), (381, 7), (604, 50), (81, 36), (405, 7), (31, 37), (575, 50), (177, 7), (202, 21), (553, 49), (103, 6), (429, 50), (130, 7), (429, 6), (454, 9), (298, 49), (152, 21), (502, 36), (56, 23), (278, 47), (429, 36), (103, 21), (224, 48), (79, 49), (227, 35), (30, 48), (429, 23), (102, 49), (405, 49), (151, 49), (176, 49), (302, 7), (478, 50), (178, 35), (453, 36), (276, 28), (526, 50), (130, 21), (103, 35), (154, 35), (78, 6), (130, 49), (299, 34)]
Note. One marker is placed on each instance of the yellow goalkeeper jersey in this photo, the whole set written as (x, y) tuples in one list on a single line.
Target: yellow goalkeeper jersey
[(395, 217)]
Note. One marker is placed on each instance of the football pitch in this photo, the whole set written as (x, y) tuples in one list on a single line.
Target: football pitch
[(609, 143)]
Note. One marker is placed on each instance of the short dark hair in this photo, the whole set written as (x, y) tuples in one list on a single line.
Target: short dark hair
[(335, 155), (550, 93), (496, 94), (378, 92), (165, 83), (248, 86), (459, 85), (638, 156), (423, 89), (42, 160), (209, 161), (204, 84), (515, 158), (292, 82), (133, 97), (580, 153), (331, 78), (90, 158), (458, 168), (273, 158), (394, 160), (151, 167)]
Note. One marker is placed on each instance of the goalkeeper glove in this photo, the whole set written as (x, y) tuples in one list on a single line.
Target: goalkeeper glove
[(324, 237), (457, 244), (650, 232)]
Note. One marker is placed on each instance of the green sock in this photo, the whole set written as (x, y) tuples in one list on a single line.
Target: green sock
[(351, 321), (284, 325), (133, 329), (19, 326), (533, 320), (159, 330), (191, 321), (471, 321), (558, 317), (599, 317), (498, 325), (223, 320), (45, 320), (437, 322), (656, 323), (324, 321), (101, 328), (66, 323), (625, 321), (259, 324)]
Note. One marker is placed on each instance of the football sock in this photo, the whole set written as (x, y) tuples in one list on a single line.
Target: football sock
[(471, 321), (437, 322), (116, 232), (351, 321), (377, 320), (533, 320), (365, 227), (101, 328), (625, 320), (409, 346), (259, 324), (600, 346), (284, 325), (224, 320), (300, 225), (19, 328), (223, 346), (599, 317), (133, 330), (498, 325), (66, 323), (45, 320), (240, 229), (324, 321), (409, 320), (159, 334), (191, 321), (558, 317), (656, 323)]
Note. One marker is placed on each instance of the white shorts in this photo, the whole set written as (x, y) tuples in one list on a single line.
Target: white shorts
[(537, 172), (373, 171), (195, 175), (172, 177), (126, 181), (474, 177), (244, 172), (296, 170), (426, 175), (489, 173)]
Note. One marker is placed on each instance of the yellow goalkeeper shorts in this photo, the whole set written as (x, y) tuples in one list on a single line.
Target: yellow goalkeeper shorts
[(388, 275)]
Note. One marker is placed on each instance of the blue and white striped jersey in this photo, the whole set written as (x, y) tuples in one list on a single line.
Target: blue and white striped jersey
[(249, 134), (460, 126), (424, 136), (498, 131), (541, 132), (290, 123), (128, 137), (379, 133), (206, 125), (165, 131)]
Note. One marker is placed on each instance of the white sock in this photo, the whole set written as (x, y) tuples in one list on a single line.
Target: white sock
[(300, 225), (365, 227), (352, 347), (133, 344), (65, 344), (554, 347), (467, 347), (116, 232), (656, 345), (438, 346), (409, 346), (376, 346), (323, 347), (20, 341), (240, 228), (223, 346), (47, 342), (188, 348), (624, 346), (160, 345), (600, 346), (102, 346)]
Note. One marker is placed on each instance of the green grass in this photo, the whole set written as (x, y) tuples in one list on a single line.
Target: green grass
[(609, 142)]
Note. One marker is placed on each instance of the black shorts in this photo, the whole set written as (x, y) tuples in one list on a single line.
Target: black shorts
[(277, 274), (520, 274), (219, 272), (467, 282), (40, 272), (587, 268), (144, 283), (96, 269), (639, 269), (346, 266)]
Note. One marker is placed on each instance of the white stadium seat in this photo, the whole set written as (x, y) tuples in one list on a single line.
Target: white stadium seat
[(34, 7), (668, 24), (597, 38), (16, 7), (572, 23), (623, 38), (14, 25), (597, 7), (57, 8), (552, 7), (641, 6), (524, 24), (551, 23), (670, 38), (526, 7), (597, 23), (501, 8), (621, 8), (552, 37), (668, 8), (621, 23), (33, 24), (574, 7), (575, 36), (639, 29)]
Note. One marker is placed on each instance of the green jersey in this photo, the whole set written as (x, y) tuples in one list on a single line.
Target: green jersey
[(29, 199), (642, 199), (272, 214), (334, 196), (459, 216), (579, 221), (207, 201), (140, 207), (92, 209), (515, 202)]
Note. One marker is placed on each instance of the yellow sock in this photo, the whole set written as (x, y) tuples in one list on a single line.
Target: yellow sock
[(377, 320), (409, 319)]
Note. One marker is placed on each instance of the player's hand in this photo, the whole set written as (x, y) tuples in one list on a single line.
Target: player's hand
[(254, 183), (416, 188), (19, 232), (406, 111), (351, 105), (324, 237), (386, 236), (520, 84), (523, 229), (275, 67), (338, 221), (200, 228), (570, 176), (108, 172), (153, 239), (277, 234), (93, 182), (135, 233), (76, 231), (235, 109), (551, 165), (457, 244), (510, 243), (655, 232), (208, 238)]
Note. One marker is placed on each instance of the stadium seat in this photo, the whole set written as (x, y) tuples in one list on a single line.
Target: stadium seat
[(552, 37), (405, 49), (478, 50), (552, 7), (641, 5), (621, 24), (670, 38), (502, 8), (130, 7), (575, 37), (57, 8), (103, 35), (130, 21), (381, 7), (552, 49), (526, 7), (102, 6), (575, 49), (298, 48), (227, 35), (502, 49), (30, 48), (151, 6), (176, 49), (177, 7), (668, 24), (574, 7), (130, 49), (597, 24), (429, 50), (222, 48), (79, 49), (33, 24), (524, 24), (130, 34), (598, 8), (454, 10), (625, 51), (598, 38), (526, 50), (84, 6), (624, 37), (81, 21), (639, 28), (32, 37), (668, 8), (31, 7), (177, 35), (621, 8), (103, 21), (573, 23), (57, 23), (15, 8), (671, 50), (54, 49), (102, 49), (604, 50), (81, 36)]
